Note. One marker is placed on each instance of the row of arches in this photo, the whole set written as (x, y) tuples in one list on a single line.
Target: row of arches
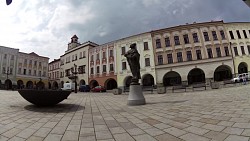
[(109, 84), (30, 85)]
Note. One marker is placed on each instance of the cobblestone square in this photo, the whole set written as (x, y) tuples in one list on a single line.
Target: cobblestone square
[(211, 115)]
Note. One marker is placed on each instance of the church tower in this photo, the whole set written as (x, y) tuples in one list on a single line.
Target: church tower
[(74, 42)]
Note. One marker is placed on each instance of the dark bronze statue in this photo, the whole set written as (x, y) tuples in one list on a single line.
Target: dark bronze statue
[(133, 58)]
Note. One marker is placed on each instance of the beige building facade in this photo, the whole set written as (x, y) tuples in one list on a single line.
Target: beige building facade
[(76, 59), (239, 38), (54, 74), (147, 65), (192, 53), (8, 65), (32, 70)]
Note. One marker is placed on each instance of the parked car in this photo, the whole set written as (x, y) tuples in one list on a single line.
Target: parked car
[(84, 88), (240, 77), (98, 89)]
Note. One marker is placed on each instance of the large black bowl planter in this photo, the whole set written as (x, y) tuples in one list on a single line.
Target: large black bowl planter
[(44, 97)]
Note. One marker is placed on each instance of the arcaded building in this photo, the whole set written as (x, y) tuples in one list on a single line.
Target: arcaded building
[(239, 38), (74, 62), (147, 64), (54, 74), (192, 53), (8, 65), (32, 70), (102, 66)]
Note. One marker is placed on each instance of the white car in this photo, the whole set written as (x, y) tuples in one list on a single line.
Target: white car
[(240, 77)]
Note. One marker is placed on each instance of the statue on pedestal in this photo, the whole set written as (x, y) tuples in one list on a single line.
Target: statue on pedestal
[(133, 58)]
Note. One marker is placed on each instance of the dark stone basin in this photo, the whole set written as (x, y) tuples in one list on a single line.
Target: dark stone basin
[(44, 97)]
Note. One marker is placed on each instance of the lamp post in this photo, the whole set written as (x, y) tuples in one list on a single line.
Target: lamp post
[(74, 72), (7, 73)]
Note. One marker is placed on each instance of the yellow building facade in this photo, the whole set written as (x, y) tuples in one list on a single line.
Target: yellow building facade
[(239, 38)]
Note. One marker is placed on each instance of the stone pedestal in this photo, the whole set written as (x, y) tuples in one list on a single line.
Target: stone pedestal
[(135, 96)]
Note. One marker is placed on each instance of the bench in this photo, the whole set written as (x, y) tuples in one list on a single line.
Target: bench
[(178, 87), (199, 85), (148, 88), (225, 82)]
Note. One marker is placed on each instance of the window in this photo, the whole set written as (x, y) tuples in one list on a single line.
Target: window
[(44, 73), (245, 34), (40, 73), (158, 43), (98, 69), (124, 66), (209, 53), (72, 58), (40, 64), (92, 57), (238, 34), (123, 50), (248, 48), (75, 56), (170, 58), (34, 73), (179, 57), (176, 40), (206, 37), (97, 56), (145, 45), (160, 60), (198, 54), (242, 50), (12, 57), (30, 63), (222, 34), (80, 55), (236, 51), (226, 51), (195, 37), (186, 39), (83, 54), (189, 56), (92, 71), (25, 61), (81, 69), (167, 42), (231, 34), (11, 70), (35, 63), (214, 35), (111, 53), (19, 70), (24, 71), (147, 62), (104, 55), (111, 67), (5, 56), (218, 52), (104, 68), (29, 72), (4, 71)]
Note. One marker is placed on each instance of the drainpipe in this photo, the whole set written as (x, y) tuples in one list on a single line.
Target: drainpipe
[(230, 44)]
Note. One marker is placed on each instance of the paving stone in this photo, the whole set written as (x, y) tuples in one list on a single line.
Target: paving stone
[(58, 130), (34, 138), (226, 123), (232, 130), (11, 133), (16, 139), (175, 131), (236, 138), (26, 133), (194, 123), (217, 136), (117, 130), (144, 137), (101, 135), (123, 137), (87, 138), (193, 137), (196, 130), (70, 136), (135, 131), (53, 137), (213, 127), (154, 131), (246, 132), (167, 137), (87, 132), (2, 138)]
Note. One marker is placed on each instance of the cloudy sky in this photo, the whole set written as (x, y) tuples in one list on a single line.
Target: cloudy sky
[(46, 26)]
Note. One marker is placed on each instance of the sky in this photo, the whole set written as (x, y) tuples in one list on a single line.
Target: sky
[(46, 26)]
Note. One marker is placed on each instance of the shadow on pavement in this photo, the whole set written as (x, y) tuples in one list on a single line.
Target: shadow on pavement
[(59, 108)]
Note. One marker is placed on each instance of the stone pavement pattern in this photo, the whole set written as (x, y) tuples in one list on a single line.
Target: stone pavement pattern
[(213, 115)]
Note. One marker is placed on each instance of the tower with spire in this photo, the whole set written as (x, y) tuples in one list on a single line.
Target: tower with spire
[(74, 42)]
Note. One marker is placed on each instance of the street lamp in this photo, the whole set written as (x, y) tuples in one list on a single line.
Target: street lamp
[(7, 73), (74, 72)]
